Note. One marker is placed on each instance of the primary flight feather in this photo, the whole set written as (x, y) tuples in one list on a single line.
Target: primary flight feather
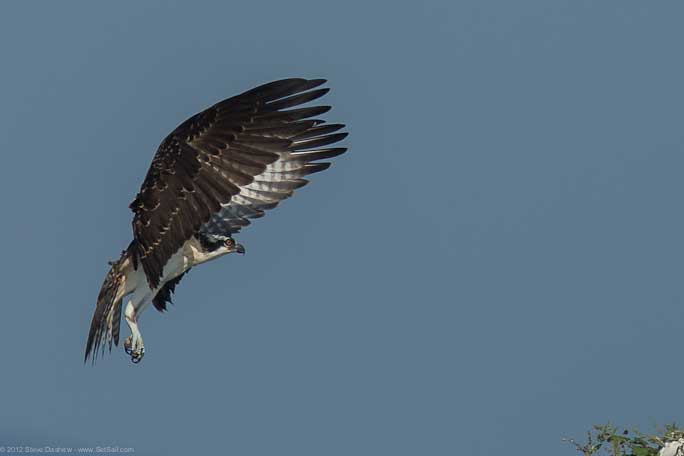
[(210, 176)]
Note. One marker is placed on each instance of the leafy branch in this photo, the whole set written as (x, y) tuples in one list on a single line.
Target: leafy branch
[(608, 440)]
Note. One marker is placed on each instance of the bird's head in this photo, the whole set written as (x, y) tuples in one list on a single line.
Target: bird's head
[(232, 246)]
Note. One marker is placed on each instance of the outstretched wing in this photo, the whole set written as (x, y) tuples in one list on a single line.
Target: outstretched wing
[(227, 164), (279, 179)]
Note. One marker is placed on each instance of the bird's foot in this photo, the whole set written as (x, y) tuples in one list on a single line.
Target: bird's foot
[(128, 345), (134, 348), (137, 355)]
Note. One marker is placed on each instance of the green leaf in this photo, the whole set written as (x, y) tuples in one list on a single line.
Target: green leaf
[(644, 451)]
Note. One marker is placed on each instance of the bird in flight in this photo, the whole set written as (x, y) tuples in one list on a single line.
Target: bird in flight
[(216, 171)]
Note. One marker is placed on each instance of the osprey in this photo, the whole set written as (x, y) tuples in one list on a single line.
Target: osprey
[(209, 177)]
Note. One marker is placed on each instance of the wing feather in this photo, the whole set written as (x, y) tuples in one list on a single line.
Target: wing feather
[(227, 164), (165, 293)]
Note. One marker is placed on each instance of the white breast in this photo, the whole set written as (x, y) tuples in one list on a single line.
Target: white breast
[(177, 265), (191, 254)]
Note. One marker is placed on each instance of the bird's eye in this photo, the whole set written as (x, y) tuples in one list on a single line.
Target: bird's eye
[(230, 243)]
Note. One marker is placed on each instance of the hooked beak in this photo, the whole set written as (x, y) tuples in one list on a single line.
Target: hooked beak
[(239, 248)]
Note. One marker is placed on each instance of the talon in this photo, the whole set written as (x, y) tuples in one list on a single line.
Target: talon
[(137, 355), (128, 345)]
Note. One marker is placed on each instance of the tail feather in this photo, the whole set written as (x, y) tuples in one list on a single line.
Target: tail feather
[(105, 325)]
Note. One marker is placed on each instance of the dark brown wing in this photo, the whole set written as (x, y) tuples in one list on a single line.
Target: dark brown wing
[(205, 162), (277, 182), (163, 296)]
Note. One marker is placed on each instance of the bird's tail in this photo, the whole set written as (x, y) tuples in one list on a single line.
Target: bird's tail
[(104, 328)]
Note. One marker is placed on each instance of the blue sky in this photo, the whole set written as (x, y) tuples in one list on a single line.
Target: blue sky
[(496, 263)]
